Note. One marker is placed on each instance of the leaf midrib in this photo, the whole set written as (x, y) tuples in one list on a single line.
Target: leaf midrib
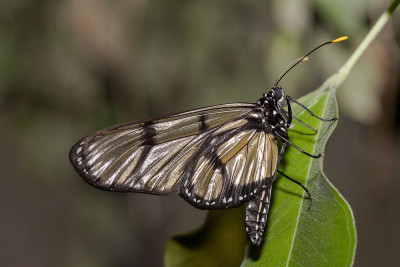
[(302, 196)]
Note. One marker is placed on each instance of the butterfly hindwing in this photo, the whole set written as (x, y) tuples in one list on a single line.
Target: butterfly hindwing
[(238, 164)]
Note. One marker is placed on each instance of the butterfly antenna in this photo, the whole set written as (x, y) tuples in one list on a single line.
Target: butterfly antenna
[(305, 57), (289, 67)]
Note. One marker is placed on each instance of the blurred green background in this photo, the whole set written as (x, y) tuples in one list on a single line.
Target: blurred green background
[(70, 67)]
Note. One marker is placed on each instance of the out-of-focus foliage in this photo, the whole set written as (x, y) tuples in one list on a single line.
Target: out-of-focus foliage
[(220, 241), (70, 67)]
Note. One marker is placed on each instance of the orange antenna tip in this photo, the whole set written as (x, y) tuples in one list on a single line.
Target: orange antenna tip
[(340, 39), (305, 58)]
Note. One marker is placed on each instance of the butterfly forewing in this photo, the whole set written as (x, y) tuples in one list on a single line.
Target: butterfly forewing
[(115, 158), (214, 157)]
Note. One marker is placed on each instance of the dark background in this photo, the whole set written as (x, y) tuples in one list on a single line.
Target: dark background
[(70, 67)]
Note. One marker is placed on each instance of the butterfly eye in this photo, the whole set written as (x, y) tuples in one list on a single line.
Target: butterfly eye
[(279, 93)]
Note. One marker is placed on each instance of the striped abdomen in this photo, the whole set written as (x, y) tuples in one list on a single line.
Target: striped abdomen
[(256, 216)]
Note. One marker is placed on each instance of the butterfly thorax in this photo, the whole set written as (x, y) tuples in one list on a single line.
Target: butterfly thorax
[(275, 116)]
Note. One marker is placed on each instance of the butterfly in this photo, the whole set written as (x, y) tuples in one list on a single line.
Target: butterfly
[(215, 157)]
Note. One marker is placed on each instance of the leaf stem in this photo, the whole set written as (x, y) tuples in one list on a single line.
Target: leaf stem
[(337, 79)]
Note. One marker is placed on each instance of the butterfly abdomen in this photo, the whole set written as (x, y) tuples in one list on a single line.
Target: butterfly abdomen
[(256, 216)]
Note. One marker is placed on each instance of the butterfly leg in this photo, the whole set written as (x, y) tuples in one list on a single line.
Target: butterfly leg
[(290, 116), (305, 124), (299, 184), (256, 216), (288, 99), (285, 140)]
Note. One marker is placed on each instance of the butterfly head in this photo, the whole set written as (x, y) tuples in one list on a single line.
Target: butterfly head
[(278, 93)]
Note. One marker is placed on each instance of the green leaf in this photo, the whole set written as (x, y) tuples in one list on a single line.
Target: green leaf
[(324, 235)]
